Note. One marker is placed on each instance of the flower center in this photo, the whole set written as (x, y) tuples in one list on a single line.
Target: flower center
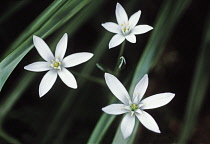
[(56, 64), (134, 107), (125, 29)]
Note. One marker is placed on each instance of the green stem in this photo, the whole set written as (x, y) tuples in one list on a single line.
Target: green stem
[(117, 69), (105, 120), (57, 119), (90, 78)]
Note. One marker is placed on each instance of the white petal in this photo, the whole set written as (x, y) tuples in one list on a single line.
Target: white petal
[(148, 121), (157, 100), (131, 38), (47, 82), (116, 40), (121, 15), (140, 29), (68, 78), (76, 59), (43, 49), (127, 125), (140, 89), (112, 27), (117, 88), (115, 109), (61, 47), (38, 66), (133, 20)]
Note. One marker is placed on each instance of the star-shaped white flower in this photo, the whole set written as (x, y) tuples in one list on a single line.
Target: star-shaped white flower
[(126, 28), (56, 65), (135, 106)]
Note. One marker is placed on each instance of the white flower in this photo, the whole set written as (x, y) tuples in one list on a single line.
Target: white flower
[(56, 64), (125, 29), (136, 106)]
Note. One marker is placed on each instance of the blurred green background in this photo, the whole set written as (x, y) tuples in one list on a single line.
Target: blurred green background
[(175, 55)]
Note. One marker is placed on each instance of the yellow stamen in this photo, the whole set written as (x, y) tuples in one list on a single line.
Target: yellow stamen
[(125, 29), (132, 113)]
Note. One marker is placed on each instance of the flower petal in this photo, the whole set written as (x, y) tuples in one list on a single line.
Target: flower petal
[(43, 49), (140, 89), (116, 40), (115, 109), (112, 27), (68, 78), (76, 59), (127, 125), (47, 82), (61, 47), (117, 88), (148, 121), (121, 15), (140, 29), (38, 66), (133, 20), (157, 100), (131, 38)]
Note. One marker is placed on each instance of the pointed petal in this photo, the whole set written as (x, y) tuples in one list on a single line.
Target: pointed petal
[(47, 82), (76, 59), (139, 111), (140, 29), (148, 121), (133, 20), (112, 27), (61, 47), (117, 88), (140, 89), (127, 125), (68, 78), (115, 109), (43, 49), (116, 40), (131, 38), (38, 66), (157, 100), (121, 14)]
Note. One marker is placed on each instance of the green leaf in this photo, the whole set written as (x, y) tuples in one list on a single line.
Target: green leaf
[(57, 121), (199, 86), (36, 24), (12, 9), (169, 15), (8, 138), (53, 23)]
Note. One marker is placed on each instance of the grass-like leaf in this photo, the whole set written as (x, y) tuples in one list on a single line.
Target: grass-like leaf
[(169, 15), (199, 86), (65, 13)]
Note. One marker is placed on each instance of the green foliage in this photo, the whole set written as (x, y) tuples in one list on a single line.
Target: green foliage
[(83, 18), (199, 86), (49, 21)]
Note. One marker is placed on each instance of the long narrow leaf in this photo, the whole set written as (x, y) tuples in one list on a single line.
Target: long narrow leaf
[(57, 119), (36, 24), (199, 86), (169, 15), (11, 61)]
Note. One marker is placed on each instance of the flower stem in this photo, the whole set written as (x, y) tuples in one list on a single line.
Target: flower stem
[(117, 69), (90, 78), (105, 120)]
